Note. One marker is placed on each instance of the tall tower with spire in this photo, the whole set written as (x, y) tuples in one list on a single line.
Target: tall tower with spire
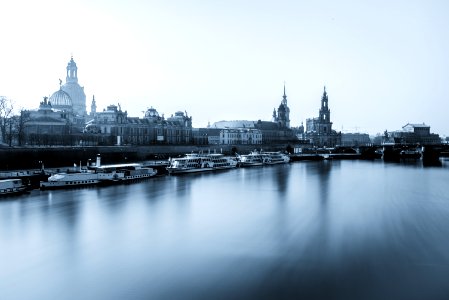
[(93, 106), (325, 124), (283, 115)]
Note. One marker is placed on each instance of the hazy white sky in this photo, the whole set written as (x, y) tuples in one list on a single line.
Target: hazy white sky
[(384, 63)]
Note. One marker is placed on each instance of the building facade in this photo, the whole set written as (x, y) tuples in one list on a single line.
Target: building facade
[(151, 129), (413, 134), (355, 139), (240, 136), (50, 126)]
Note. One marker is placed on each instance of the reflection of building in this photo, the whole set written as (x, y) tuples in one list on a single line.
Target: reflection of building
[(414, 134), (319, 130)]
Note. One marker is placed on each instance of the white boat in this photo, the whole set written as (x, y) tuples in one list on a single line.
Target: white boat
[(276, 158), (256, 158), (123, 172), (252, 159), (12, 187), (222, 162), (98, 174), (76, 179), (192, 163)]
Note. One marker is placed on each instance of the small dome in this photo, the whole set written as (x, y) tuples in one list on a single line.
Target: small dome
[(151, 113), (60, 99)]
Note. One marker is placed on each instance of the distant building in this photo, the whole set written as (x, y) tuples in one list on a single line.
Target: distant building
[(200, 136), (151, 129), (276, 131), (59, 116), (46, 120), (355, 139), (272, 133), (48, 125), (319, 130), (414, 134), (242, 136)]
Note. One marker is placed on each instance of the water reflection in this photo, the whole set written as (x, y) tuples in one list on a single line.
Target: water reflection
[(318, 230)]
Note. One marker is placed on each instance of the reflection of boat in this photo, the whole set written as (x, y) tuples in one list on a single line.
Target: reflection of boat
[(12, 187), (192, 163)]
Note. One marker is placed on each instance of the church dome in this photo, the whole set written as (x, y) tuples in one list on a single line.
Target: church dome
[(60, 99)]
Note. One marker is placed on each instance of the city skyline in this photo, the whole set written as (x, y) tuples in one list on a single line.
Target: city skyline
[(383, 64)]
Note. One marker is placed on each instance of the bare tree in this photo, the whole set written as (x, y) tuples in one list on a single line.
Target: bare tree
[(23, 119), (6, 110)]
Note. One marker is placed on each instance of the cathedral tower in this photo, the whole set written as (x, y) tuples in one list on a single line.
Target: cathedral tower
[(324, 119), (283, 116)]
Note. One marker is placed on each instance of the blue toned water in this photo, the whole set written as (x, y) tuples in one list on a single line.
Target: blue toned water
[(307, 230)]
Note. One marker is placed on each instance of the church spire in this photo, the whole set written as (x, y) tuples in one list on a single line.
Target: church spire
[(284, 97), (93, 106), (324, 110)]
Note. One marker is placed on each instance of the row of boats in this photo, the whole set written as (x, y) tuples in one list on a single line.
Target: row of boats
[(119, 173), (191, 163), (107, 174)]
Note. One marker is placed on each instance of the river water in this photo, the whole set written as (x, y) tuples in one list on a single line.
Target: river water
[(306, 230)]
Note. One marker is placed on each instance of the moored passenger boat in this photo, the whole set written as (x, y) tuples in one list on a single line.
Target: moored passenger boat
[(98, 174), (192, 163), (65, 180), (124, 172), (252, 159), (276, 158), (12, 187)]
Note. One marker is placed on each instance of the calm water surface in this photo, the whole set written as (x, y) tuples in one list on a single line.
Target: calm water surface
[(309, 230)]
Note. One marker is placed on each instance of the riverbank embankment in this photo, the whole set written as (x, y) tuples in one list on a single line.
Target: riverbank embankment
[(24, 158)]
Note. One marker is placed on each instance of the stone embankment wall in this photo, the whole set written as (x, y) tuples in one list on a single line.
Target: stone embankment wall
[(53, 157)]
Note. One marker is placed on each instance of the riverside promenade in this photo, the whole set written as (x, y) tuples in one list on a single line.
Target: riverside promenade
[(28, 158)]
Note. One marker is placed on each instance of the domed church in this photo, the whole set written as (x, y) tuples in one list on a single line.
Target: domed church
[(71, 95)]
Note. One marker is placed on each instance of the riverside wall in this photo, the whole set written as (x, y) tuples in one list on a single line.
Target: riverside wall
[(53, 157)]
